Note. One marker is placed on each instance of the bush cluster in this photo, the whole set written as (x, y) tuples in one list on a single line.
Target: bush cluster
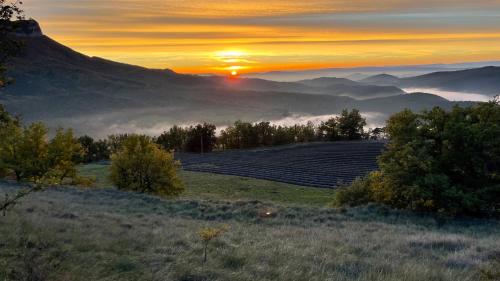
[(27, 153), (142, 166), (437, 161)]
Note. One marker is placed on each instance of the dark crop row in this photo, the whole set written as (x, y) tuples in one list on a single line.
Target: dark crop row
[(325, 164)]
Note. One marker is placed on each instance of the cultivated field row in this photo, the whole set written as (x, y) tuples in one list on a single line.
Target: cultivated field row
[(318, 164)]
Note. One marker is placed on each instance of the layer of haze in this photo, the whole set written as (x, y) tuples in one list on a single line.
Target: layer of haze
[(450, 95), (262, 35)]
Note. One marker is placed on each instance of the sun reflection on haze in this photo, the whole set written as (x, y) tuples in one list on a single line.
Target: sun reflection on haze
[(232, 61)]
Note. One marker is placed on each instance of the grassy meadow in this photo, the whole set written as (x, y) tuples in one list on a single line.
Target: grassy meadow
[(105, 234), (206, 186)]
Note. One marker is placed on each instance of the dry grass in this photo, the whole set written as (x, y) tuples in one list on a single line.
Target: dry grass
[(69, 234)]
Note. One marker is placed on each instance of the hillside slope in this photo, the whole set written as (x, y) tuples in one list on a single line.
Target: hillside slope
[(124, 236)]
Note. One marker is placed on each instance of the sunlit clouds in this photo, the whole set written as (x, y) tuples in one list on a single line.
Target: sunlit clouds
[(232, 61), (254, 36)]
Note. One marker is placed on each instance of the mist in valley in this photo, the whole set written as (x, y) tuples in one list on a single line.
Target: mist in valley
[(101, 126), (450, 95)]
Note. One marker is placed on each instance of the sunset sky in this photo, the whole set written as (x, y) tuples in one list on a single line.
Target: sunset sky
[(251, 36)]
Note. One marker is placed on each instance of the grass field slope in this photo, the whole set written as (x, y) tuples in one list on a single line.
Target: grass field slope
[(208, 186), (105, 234), (325, 164)]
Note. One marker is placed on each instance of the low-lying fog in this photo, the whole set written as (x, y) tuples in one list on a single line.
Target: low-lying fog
[(96, 129), (373, 119), (450, 95)]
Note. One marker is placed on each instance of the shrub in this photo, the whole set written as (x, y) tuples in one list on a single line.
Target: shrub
[(356, 194), (438, 161), (64, 151), (491, 272), (27, 153), (208, 234), (141, 166)]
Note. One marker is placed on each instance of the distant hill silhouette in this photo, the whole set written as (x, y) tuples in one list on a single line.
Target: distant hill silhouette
[(382, 80), (58, 85), (328, 81), (484, 80)]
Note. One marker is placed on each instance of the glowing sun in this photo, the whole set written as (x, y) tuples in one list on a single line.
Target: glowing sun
[(234, 73)]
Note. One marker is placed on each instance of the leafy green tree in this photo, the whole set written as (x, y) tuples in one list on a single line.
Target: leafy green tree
[(102, 151), (5, 117), (93, 150), (115, 142), (240, 135), (30, 157), (305, 133), (328, 130), (88, 146), (174, 139), (64, 151), (265, 132), (283, 135), (10, 132), (247, 134), (376, 133), (142, 166), (350, 125), (441, 161), (201, 138), (25, 151)]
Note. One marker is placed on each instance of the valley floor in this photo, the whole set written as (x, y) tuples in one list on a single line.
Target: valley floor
[(105, 234)]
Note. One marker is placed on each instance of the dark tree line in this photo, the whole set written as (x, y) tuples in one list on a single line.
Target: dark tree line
[(349, 125), (248, 135), (94, 150), (201, 138)]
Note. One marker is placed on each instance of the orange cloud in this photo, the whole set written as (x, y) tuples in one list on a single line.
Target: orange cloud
[(212, 36)]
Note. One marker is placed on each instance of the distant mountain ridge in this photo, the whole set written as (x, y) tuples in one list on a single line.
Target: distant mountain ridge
[(62, 87), (484, 80), (382, 80), (359, 73)]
